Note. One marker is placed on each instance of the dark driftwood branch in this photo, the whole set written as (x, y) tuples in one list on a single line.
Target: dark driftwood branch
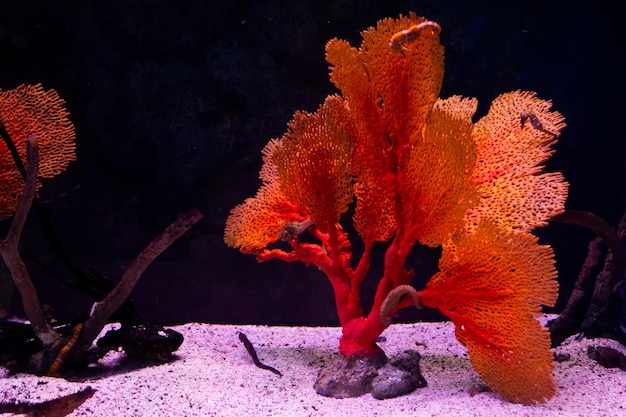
[(606, 282), (12, 259), (604, 230), (102, 310), (568, 322), (58, 407)]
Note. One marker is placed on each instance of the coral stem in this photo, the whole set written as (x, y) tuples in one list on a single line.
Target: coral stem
[(360, 334)]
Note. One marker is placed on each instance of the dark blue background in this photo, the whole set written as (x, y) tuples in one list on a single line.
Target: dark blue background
[(173, 102)]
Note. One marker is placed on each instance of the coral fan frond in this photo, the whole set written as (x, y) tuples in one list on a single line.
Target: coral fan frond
[(491, 284), (436, 181), (508, 143), (523, 203), (510, 148), (30, 110), (389, 96), (407, 83), (313, 163), (374, 219), (261, 220)]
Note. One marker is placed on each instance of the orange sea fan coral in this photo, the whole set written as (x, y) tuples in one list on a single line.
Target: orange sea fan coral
[(386, 112), (435, 200), (313, 163), (420, 171), (306, 175), (491, 284), (510, 150), (31, 110)]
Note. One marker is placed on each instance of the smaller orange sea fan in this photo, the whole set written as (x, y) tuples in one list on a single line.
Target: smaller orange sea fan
[(390, 96), (510, 148), (31, 110), (490, 284), (259, 221), (313, 163), (306, 175)]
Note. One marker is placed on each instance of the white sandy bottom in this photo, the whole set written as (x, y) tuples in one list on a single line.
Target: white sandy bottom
[(213, 375)]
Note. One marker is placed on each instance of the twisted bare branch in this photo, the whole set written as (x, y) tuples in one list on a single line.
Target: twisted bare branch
[(12, 258)]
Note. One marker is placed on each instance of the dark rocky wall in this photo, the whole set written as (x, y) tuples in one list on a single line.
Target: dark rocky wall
[(173, 102)]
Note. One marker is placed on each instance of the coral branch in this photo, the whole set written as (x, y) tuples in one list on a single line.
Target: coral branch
[(568, 322), (363, 266), (607, 281)]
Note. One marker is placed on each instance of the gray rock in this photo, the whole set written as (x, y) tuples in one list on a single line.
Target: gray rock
[(348, 377), (352, 377), (399, 377)]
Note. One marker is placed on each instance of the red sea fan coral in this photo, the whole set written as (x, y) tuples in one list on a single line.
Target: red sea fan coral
[(418, 170)]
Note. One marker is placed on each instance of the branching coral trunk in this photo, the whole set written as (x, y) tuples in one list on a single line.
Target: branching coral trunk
[(360, 334)]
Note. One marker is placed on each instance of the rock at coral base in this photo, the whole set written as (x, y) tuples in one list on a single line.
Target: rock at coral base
[(392, 382), (347, 377), (399, 377)]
